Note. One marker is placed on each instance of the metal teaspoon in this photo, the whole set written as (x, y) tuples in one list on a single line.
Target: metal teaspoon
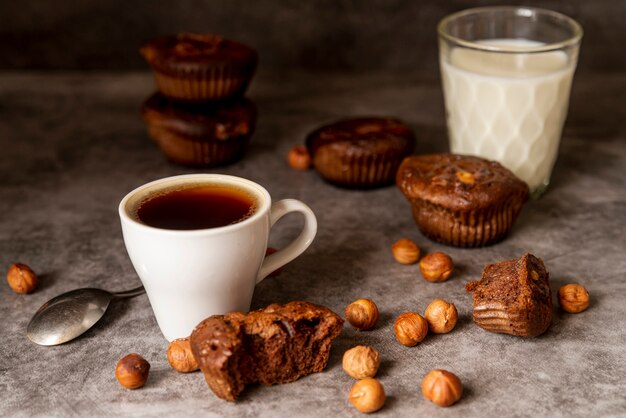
[(70, 314)]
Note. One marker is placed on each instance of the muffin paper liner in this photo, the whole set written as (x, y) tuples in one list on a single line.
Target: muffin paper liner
[(196, 151), (465, 229), (215, 82), (361, 171)]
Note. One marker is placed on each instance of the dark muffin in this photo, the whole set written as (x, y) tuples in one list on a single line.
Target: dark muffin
[(278, 344), (200, 67), (200, 134), (461, 200), (360, 152), (513, 297)]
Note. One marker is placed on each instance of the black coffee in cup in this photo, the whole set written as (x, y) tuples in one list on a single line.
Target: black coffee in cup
[(200, 206)]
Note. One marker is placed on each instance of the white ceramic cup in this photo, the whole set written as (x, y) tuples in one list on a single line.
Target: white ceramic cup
[(190, 275)]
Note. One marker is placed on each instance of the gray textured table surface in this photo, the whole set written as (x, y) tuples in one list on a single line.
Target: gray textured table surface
[(73, 145)]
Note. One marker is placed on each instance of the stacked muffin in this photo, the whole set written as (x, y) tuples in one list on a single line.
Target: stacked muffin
[(199, 116)]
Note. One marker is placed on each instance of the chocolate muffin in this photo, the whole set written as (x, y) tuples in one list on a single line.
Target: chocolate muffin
[(278, 344), (200, 134), (461, 200), (513, 297), (200, 67), (360, 152)]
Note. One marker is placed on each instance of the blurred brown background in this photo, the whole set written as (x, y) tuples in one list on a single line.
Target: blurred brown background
[(319, 35)]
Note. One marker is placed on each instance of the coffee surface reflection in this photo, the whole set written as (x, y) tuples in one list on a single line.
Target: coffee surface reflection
[(200, 206)]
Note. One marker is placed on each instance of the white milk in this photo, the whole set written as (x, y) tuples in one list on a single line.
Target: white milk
[(508, 107)]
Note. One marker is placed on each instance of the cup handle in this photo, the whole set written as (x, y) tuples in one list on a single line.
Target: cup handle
[(296, 247)]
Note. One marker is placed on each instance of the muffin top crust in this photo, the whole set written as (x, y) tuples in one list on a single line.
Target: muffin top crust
[(458, 182), (197, 50), (365, 135)]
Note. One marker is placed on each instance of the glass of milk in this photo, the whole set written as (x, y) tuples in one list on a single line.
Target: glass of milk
[(507, 73)]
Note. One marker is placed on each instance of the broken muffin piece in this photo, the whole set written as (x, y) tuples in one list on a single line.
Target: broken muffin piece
[(278, 344), (513, 297)]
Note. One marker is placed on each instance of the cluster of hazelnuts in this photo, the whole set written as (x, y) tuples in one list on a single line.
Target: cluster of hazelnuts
[(132, 370), (435, 267), (438, 266), (441, 387), (361, 362)]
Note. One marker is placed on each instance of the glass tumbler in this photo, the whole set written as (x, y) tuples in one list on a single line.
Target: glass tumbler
[(507, 73)]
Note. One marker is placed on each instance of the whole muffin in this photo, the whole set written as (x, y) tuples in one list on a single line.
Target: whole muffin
[(460, 200), (202, 134), (200, 67), (360, 152)]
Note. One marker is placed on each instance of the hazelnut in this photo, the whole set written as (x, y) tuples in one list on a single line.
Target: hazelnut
[(21, 278), (180, 356), (362, 314), (299, 158), (442, 387), (441, 316), (436, 267), (132, 371), (410, 328), (367, 395), (405, 251), (361, 361), (573, 298)]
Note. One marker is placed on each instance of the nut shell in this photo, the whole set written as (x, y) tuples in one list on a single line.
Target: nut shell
[(361, 361), (21, 278), (362, 314), (410, 328), (436, 267), (405, 251), (180, 357), (442, 387), (573, 298), (299, 158), (441, 316), (132, 371), (367, 395)]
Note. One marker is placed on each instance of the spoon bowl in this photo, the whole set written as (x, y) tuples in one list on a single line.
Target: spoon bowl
[(70, 314)]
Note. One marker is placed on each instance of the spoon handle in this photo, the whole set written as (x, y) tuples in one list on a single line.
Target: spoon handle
[(130, 293)]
